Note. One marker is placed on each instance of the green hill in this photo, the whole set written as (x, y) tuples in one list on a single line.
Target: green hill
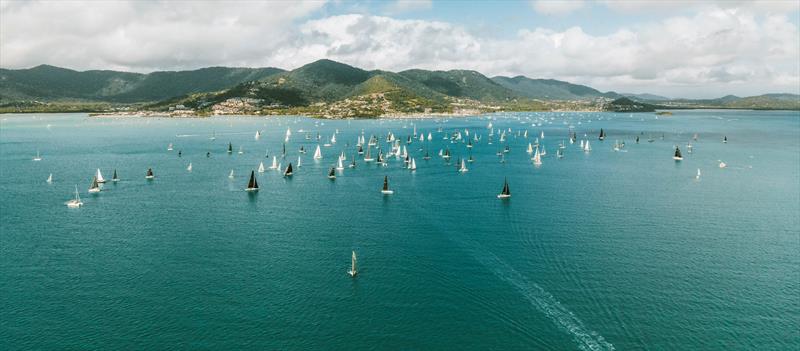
[(551, 89), (48, 83), (461, 83)]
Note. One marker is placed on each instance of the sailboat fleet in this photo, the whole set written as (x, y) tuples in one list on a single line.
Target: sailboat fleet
[(401, 147)]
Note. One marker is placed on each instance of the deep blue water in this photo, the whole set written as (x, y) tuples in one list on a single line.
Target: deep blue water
[(601, 250)]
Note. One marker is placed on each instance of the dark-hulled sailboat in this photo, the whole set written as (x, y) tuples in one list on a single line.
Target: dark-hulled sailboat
[(252, 185), (149, 174)]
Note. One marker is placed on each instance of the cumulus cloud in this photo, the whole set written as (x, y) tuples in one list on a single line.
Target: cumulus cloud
[(714, 51), (557, 7), (400, 6)]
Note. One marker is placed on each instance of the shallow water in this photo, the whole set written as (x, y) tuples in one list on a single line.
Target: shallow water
[(601, 250)]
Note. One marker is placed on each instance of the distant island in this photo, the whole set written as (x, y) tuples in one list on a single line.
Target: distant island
[(325, 89)]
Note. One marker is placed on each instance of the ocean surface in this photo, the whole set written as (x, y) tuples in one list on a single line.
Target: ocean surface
[(603, 250)]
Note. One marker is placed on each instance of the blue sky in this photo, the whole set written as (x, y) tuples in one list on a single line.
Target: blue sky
[(670, 47)]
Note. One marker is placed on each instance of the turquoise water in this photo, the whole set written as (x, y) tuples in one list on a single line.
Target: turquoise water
[(605, 250)]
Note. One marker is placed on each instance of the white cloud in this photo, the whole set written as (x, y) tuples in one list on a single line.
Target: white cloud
[(556, 7), (400, 6), (714, 51)]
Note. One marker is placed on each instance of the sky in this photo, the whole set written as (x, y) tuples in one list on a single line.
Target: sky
[(694, 49)]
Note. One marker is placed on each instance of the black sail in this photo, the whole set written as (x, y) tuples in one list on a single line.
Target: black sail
[(149, 172), (385, 182), (678, 153), (230, 148), (253, 183), (288, 170)]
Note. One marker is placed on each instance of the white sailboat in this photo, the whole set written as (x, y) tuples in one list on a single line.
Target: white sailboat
[(318, 153), (537, 158), (99, 177), (38, 156), (722, 164), (190, 167), (530, 148), (353, 269), (169, 147), (299, 161), (261, 167), (413, 165), (50, 178), (76, 202), (430, 137), (586, 147), (368, 157), (258, 135), (241, 150), (340, 164), (230, 175), (698, 174), (274, 164), (463, 167)]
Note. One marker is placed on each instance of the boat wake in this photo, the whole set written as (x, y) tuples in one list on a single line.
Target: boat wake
[(545, 302)]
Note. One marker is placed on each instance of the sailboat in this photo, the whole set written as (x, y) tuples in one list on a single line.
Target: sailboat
[(537, 158), (698, 174), (318, 153), (724, 141), (115, 178), (332, 174), (261, 167), (463, 167), (274, 163), (95, 186), (530, 148), (353, 162), (169, 147), (241, 150), (38, 156), (722, 164), (252, 185), (427, 156), (677, 156), (586, 146), (340, 164), (602, 135), (413, 165), (299, 161), (99, 176), (302, 150), (213, 136), (149, 174), (353, 269), (505, 193), (470, 159), (50, 178), (368, 157), (258, 135), (230, 148), (76, 202), (560, 153), (230, 175), (288, 172), (385, 190), (190, 167)]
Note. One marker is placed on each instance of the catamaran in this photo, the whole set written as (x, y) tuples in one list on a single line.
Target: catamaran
[(76, 202), (353, 269), (385, 190), (149, 174), (95, 186), (677, 156), (252, 185), (505, 193)]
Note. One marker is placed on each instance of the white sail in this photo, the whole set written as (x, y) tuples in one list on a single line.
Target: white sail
[(413, 166), (299, 161), (241, 150), (698, 174), (537, 158), (261, 167), (38, 156), (274, 163), (340, 164), (50, 178), (353, 265), (169, 147), (76, 202), (463, 167), (230, 175), (530, 148), (333, 138), (190, 167), (99, 177), (541, 135), (342, 156), (258, 135), (318, 153)]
